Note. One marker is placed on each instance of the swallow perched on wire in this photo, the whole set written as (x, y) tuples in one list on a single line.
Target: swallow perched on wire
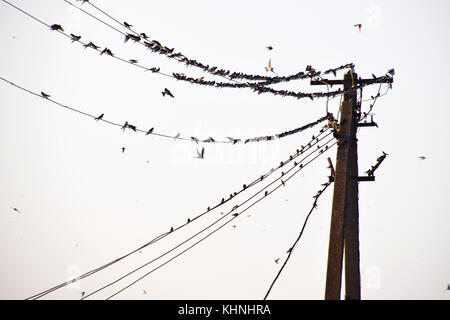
[(150, 131), (45, 95), (144, 36), (107, 51), (99, 117), (133, 61), (75, 37), (127, 25), (57, 27), (176, 137), (125, 126), (167, 91), (91, 45)]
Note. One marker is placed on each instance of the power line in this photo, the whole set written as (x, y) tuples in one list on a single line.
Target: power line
[(291, 158), (126, 125), (229, 75), (254, 86), (212, 232), (291, 249)]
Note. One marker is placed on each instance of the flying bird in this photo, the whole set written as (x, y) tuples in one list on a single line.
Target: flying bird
[(201, 154), (269, 48), (421, 158), (167, 91), (277, 259), (269, 67), (45, 95), (83, 293), (99, 117), (56, 27), (15, 209), (359, 26)]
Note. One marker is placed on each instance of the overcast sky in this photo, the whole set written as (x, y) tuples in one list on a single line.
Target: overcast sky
[(84, 202)]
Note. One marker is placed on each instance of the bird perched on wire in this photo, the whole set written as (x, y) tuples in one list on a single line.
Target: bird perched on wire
[(167, 91), (75, 37), (45, 95), (57, 27), (99, 117), (127, 25), (133, 61), (107, 51), (150, 131), (176, 137), (91, 45), (359, 26)]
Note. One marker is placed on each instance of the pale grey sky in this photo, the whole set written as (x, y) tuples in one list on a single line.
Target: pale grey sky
[(84, 203)]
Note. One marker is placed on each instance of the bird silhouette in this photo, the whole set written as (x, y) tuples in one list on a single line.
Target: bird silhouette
[(359, 26), (75, 37), (15, 209), (269, 67), (150, 131), (167, 91), (82, 294), (176, 137), (269, 48), (57, 27), (277, 259), (99, 117), (171, 229), (45, 95), (133, 61), (422, 158), (107, 51), (127, 25), (91, 45), (201, 154), (195, 140), (144, 36), (123, 149), (125, 125)]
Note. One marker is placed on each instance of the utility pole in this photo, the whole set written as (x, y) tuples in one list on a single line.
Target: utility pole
[(344, 228)]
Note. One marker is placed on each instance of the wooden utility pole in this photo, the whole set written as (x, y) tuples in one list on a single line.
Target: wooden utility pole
[(344, 228)]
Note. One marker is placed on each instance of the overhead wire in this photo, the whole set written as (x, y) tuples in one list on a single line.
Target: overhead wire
[(212, 232), (291, 249), (229, 75), (126, 125), (310, 145)]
